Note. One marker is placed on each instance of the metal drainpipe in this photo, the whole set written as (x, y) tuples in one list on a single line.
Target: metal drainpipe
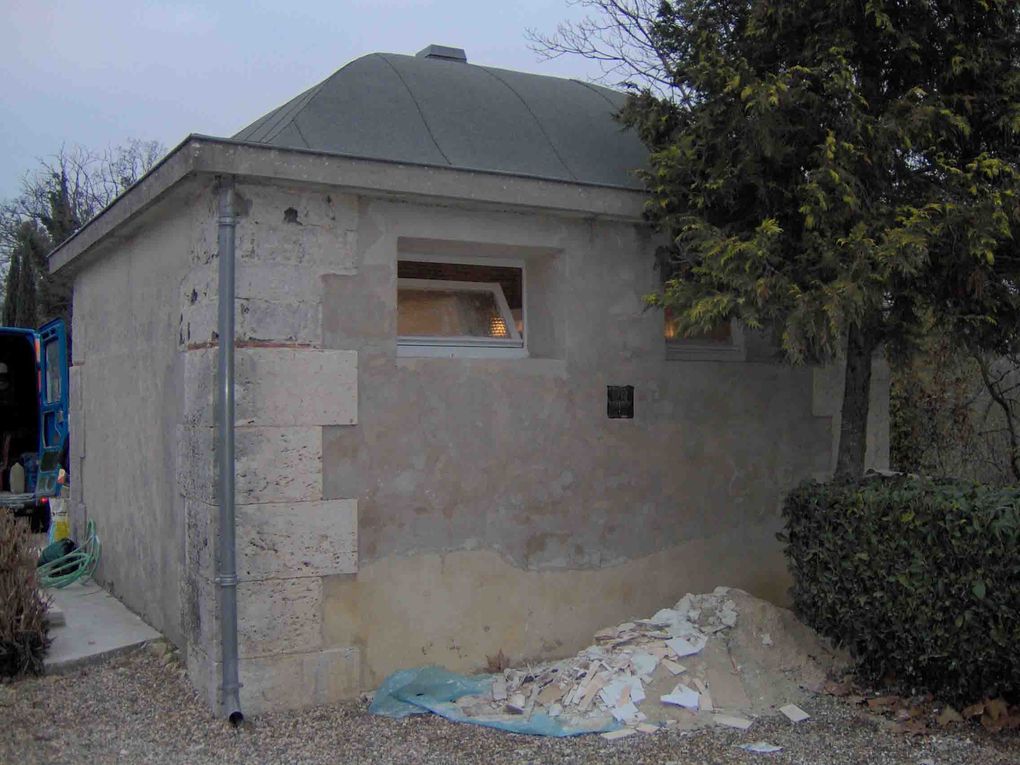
[(226, 576)]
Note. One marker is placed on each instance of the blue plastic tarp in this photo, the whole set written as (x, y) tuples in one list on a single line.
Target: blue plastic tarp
[(434, 689)]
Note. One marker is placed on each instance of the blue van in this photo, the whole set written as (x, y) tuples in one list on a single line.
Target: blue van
[(33, 413)]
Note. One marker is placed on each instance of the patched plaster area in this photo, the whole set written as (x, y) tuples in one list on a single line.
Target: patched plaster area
[(517, 456), (455, 609)]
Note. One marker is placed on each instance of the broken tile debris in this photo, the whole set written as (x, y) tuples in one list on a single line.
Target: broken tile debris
[(620, 733), (632, 677), (499, 689), (686, 647), (516, 704), (794, 713), (761, 747), (626, 712), (673, 667), (705, 696), (644, 664), (608, 679), (682, 696), (729, 721)]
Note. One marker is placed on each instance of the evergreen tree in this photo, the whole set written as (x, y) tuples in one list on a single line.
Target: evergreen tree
[(22, 287), (60, 221), (12, 287), (844, 173), (26, 306)]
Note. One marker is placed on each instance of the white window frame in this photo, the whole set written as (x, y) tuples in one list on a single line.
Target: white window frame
[(467, 347)]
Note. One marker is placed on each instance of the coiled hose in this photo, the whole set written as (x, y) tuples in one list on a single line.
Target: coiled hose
[(75, 565)]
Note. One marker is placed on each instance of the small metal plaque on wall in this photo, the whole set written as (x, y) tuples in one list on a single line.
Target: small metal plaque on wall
[(620, 402)]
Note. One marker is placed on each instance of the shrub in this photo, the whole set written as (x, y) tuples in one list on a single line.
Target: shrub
[(23, 632), (951, 412), (919, 579)]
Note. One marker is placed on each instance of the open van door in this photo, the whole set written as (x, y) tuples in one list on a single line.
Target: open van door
[(53, 399)]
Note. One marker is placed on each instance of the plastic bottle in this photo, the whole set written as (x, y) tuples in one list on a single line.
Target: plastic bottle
[(60, 527), (17, 477)]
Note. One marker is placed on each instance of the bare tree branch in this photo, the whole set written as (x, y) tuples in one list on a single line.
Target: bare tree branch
[(84, 180), (620, 36), (1008, 408), (94, 179)]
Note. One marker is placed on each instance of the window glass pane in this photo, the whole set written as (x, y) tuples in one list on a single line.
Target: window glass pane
[(449, 313), (507, 277), (52, 372), (720, 333), (466, 300)]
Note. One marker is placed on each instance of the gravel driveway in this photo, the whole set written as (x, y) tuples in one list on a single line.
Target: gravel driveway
[(139, 708)]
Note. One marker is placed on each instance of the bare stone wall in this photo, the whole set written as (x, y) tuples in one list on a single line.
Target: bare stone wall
[(289, 536), (143, 436), (126, 383)]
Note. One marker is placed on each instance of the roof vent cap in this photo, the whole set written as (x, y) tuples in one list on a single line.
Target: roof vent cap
[(443, 52)]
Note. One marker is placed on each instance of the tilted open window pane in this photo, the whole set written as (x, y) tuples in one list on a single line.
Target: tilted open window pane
[(447, 311), (459, 304)]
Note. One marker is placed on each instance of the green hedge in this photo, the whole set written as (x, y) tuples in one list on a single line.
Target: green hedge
[(919, 579)]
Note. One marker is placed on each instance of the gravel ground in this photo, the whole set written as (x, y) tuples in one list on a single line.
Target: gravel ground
[(139, 708)]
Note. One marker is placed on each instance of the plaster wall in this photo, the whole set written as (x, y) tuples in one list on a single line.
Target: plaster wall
[(395, 510), (499, 507), (829, 383), (126, 397)]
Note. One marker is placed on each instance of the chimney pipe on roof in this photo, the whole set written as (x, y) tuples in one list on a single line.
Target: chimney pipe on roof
[(443, 53)]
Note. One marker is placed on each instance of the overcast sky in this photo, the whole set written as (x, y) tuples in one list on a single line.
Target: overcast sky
[(100, 72)]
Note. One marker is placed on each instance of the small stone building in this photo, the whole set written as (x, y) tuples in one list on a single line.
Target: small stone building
[(458, 428)]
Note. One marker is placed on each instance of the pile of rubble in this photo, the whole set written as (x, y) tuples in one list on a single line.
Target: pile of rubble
[(714, 659)]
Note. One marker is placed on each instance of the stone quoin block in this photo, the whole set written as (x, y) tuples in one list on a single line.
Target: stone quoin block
[(277, 386), (273, 615), (302, 227), (272, 464), (278, 464), (297, 539), (256, 319), (278, 540), (279, 616), (287, 681)]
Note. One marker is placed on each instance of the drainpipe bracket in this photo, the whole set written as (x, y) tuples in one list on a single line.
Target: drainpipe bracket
[(226, 580)]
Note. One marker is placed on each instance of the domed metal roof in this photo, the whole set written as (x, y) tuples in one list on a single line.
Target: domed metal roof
[(438, 110)]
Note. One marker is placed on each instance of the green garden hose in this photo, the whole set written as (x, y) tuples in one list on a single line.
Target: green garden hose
[(75, 565)]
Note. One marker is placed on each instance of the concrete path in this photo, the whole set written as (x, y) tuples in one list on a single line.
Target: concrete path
[(96, 626)]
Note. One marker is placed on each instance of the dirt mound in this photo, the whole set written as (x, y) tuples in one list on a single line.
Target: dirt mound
[(718, 658)]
